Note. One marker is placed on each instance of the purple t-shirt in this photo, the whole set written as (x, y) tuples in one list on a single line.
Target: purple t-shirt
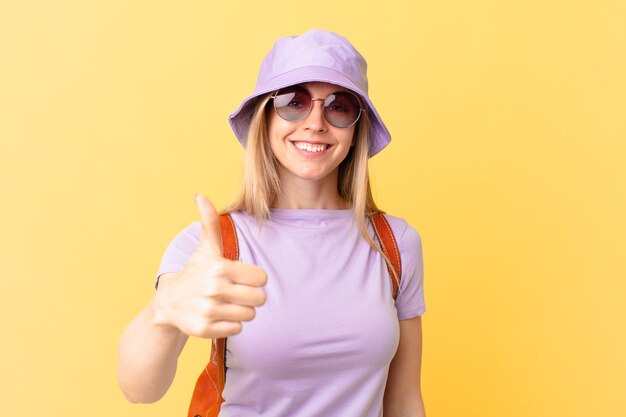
[(322, 343)]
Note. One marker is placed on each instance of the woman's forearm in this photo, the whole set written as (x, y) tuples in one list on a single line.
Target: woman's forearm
[(147, 357)]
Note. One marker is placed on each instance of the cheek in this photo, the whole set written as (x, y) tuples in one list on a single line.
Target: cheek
[(347, 141), (346, 136), (277, 131), (277, 128)]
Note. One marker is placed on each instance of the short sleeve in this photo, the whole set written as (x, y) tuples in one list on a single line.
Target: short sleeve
[(410, 300), (179, 250)]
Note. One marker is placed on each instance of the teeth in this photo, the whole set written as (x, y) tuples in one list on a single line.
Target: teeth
[(311, 148)]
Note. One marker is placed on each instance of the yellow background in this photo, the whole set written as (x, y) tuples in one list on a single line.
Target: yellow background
[(508, 156)]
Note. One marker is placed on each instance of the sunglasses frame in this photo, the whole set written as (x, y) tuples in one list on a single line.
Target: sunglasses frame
[(358, 100)]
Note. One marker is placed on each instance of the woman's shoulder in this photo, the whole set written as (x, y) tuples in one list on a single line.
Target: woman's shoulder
[(406, 235)]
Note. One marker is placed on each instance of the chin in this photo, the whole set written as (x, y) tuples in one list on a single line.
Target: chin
[(312, 175)]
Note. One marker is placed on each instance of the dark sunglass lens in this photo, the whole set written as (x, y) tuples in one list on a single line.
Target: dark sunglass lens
[(292, 103), (342, 109)]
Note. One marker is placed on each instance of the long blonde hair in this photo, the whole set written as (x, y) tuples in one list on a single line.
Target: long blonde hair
[(261, 182)]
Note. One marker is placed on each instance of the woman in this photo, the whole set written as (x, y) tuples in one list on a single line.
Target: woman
[(323, 335)]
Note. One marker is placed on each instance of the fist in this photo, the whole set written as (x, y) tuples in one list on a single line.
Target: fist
[(212, 295)]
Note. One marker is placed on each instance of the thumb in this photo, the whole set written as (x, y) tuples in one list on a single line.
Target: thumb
[(210, 236)]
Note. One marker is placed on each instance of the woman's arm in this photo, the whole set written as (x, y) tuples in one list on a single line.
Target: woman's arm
[(148, 355), (403, 396), (209, 298)]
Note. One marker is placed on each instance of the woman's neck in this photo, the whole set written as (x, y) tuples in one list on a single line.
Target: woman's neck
[(297, 193)]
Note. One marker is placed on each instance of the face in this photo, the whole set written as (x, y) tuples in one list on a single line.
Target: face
[(310, 148)]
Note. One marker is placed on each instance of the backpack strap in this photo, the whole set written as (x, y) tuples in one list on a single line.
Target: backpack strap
[(207, 396), (390, 248), (230, 246)]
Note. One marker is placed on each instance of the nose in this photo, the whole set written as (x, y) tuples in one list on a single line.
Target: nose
[(316, 121)]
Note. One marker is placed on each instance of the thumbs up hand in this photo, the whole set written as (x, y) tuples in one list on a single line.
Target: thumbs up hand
[(211, 296)]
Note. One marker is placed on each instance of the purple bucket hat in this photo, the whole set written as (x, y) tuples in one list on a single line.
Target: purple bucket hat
[(316, 55)]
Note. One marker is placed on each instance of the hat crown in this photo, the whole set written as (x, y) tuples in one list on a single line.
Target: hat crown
[(315, 48)]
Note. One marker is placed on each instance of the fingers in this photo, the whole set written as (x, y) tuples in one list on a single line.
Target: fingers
[(221, 320), (223, 290), (236, 283), (210, 237), (220, 329), (245, 295), (233, 312), (246, 274)]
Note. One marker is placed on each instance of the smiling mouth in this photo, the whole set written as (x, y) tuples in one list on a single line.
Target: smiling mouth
[(310, 147)]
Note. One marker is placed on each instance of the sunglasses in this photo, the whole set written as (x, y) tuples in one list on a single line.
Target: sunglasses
[(340, 109)]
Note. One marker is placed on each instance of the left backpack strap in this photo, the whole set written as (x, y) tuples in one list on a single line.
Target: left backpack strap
[(390, 248), (207, 396)]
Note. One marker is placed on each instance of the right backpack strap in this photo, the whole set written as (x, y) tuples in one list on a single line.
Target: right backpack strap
[(390, 248), (207, 396)]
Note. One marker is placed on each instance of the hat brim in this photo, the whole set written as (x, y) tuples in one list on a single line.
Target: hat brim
[(240, 119)]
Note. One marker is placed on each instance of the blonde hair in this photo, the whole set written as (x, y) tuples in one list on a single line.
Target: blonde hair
[(261, 182)]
